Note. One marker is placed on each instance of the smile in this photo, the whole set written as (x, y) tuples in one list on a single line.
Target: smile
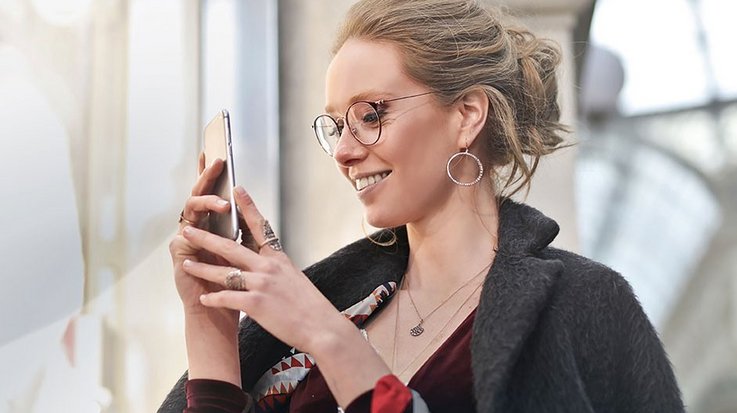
[(367, 181)]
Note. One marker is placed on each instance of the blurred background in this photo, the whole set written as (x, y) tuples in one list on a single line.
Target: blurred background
[(102, 103)]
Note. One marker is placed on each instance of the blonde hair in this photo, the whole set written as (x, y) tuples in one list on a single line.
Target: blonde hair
[(455, 46)]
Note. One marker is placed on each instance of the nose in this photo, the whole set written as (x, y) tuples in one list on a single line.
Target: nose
[(349, 151)]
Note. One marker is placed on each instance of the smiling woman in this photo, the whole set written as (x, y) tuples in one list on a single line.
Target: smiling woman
[(437, 111)]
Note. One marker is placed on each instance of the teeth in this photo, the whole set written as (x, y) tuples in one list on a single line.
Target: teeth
[(370, 180)]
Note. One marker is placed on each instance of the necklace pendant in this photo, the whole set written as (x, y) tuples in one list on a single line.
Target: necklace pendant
[(416, 330)]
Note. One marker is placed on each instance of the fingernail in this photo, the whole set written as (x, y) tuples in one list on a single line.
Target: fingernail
[(203, 297), (187, 263), (187, 230), (222, 202), (239, 190)]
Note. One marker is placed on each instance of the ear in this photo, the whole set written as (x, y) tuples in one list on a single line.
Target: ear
[(473, 108)]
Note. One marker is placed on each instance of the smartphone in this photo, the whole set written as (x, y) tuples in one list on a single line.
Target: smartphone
[(217, 143)]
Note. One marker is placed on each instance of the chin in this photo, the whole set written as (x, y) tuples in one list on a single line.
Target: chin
[(379, 220)]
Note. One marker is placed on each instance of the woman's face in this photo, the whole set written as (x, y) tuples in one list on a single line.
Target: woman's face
[(418, 135)]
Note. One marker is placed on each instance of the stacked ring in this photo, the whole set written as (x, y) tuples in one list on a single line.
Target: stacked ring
[(235, 280), (270, 238), (272, 242)]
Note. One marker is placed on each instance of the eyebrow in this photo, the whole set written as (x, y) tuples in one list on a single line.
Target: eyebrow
[(368, 95)]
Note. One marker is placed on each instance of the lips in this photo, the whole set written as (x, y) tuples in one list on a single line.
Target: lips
[(368, 180)]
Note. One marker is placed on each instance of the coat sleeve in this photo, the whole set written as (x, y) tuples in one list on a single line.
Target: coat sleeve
[(216, 396), (389, 395), (203, 395), (644, 379)]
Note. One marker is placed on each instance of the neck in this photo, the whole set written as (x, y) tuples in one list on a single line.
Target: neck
[(453, 245)]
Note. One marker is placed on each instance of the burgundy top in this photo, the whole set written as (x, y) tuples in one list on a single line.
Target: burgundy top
[(444, 382)]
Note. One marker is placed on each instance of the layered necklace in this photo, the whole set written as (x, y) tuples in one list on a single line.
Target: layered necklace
[(418, 329)]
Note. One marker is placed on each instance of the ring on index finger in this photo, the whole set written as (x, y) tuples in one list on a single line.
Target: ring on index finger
[(235, 280), (270, 238)]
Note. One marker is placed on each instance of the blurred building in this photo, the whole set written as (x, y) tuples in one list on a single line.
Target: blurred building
[(657, 177), (126, 86)]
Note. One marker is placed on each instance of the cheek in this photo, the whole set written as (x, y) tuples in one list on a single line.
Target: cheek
[(426, 146), (421, 166)]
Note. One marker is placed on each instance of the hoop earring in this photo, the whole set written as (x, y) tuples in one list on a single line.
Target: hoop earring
[(465, 152), (389, 243)]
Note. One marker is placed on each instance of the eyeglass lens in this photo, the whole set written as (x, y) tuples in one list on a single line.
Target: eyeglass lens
[(362, 120)]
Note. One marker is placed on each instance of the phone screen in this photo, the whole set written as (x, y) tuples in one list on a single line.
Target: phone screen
[(218, 144)]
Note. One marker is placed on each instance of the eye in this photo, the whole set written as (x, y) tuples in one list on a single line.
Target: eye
[(364, 113), (370, 117)]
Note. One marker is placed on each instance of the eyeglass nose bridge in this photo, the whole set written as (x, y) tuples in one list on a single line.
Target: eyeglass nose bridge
[(352, 135), (327, 143)]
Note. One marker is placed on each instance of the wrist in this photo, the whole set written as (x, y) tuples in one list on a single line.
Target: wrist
[(212, 347), (198, 311), (334, 336), (349, 364)]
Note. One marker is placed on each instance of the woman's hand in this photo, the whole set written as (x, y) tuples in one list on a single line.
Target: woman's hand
[(268, 287), (195, 213), (210, 333), (265, 284)]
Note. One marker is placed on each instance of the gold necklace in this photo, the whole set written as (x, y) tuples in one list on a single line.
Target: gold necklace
[(396, 326), (396, 323), (418, 329)]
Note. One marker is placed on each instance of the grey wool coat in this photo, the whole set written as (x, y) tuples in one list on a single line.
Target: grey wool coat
[(553, 332)]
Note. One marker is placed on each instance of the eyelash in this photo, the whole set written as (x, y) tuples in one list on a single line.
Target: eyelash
[(381, 108)]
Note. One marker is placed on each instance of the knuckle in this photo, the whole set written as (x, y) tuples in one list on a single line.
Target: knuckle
[(175, 244), (269, 266), (257, 282), (255, 300), (247, 200), (191, 203)]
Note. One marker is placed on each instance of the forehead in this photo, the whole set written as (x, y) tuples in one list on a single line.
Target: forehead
[(363, 69)]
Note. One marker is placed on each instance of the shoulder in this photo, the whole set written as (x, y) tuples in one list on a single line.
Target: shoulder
[(584, 280), (595, 311), (593, 301)]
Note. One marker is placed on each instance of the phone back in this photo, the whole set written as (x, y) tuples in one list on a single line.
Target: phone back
[(218, 144)]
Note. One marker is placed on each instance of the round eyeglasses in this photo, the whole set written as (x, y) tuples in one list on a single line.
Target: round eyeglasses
[(363, 119)]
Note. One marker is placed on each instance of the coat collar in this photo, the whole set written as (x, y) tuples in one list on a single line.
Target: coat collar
[(516, 289)]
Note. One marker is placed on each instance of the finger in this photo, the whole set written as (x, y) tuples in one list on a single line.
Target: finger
[(201, 163), (206, 203), (257, 225), (247, 239), (207, 178), (214, 273), (197, 208), (231, 251), (230, 299), (179, 247)]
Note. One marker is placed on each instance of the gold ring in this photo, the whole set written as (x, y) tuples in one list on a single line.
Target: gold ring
[(272, 242), (235, 280), (185, 220), (270, 238)]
